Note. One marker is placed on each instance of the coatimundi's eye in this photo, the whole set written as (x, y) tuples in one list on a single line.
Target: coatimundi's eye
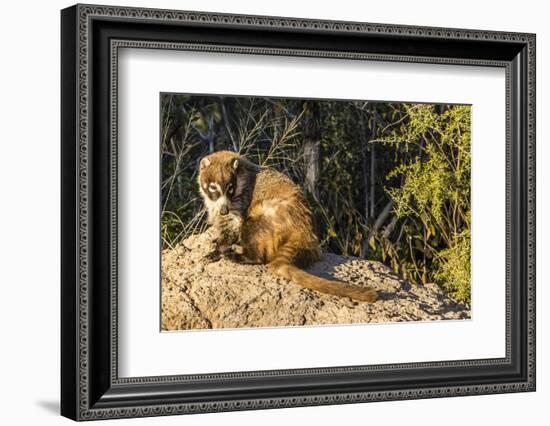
[(212, 187), (230, 188)]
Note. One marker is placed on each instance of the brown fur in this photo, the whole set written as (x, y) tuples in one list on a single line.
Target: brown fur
[(267, 217)]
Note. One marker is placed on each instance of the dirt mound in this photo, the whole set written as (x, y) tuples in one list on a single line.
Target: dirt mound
[(200, 293)]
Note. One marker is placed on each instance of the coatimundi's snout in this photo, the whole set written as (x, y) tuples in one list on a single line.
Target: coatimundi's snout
[(265, 213)]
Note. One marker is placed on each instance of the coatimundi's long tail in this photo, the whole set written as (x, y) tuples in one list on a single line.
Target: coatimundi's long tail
[(337, 288)]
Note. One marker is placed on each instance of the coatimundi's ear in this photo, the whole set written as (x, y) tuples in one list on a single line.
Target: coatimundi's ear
[(205, 162), (235, 163)]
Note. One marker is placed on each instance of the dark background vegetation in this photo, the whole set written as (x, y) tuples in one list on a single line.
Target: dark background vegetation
[(385, 181)]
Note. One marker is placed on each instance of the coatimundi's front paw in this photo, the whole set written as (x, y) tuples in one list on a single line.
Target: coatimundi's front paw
[(213, 256), (232, 252)]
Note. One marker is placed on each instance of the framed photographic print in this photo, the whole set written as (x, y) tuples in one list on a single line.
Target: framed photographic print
[(263, 212)]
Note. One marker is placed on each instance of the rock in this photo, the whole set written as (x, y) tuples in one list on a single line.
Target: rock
[(199, 293)]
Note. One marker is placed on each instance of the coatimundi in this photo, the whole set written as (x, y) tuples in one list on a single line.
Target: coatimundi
[(261, 214)]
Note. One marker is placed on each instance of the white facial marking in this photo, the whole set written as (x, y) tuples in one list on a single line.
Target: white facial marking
[(213, 187), (213, 206)]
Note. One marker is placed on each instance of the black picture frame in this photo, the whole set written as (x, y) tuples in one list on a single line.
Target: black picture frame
[(90, 386)]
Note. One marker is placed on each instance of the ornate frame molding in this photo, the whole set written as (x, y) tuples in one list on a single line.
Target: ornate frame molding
[(78, 24)]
